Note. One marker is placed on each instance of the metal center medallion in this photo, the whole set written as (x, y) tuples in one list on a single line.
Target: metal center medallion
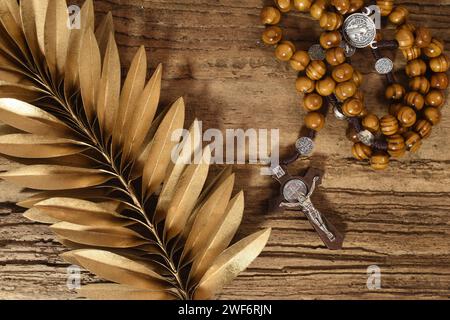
[(359, 30), (293, 189)]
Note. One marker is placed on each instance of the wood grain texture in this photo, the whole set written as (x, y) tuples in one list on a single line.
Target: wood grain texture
[(212, 55)]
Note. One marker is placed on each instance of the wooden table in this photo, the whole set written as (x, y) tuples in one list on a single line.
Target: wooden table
[(398, 219)]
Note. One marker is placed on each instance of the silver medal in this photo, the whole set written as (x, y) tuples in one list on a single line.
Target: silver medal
[(349, 51), (359, 30), (384, 65), (366, 137), (316, 52), (293, 189), (304, 146)]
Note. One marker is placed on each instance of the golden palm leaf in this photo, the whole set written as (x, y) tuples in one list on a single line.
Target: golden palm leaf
[(100, 154)]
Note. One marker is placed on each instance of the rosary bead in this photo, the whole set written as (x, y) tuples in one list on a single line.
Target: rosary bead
[(407, 26), (395, 91), (312, 102), (335, 56), (318, 9), (316, 70), (439, 81), (284, 51), (402, 130), (352, 107), (331, 21), (342, 6), (416, 68), (351, 134), (304, 84), (435, 98), (270, 15), (355, 5), (414, 99), (359, 95), (439, 64), (405, 38), (433, 115), (272, 35), (284, 5), (314, 121), (389, 125), (300, 60), (406, 116), (386, 7), (411, 53), (423, 128), (396, 146), (357, 78), (395, 108), (412, 141), (303, 5), (361, 152), (371, 123), (399, 15), (326, 86), (345, 90), (420, 84), (435, 49), (330, 39), (342, 72), (364, 111), (379, 160), (423, 37)]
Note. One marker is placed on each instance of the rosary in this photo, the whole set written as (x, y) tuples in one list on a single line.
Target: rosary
[(328, 80)]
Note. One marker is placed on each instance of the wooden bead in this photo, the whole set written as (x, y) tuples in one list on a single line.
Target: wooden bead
[(399, 15), (439, 64), (312, 102), (270, 15), (357, 78), (342, 6), (433, 115), (326, 86), (371, 123), (435, 98), (385, 6), (351, 134), (359, 94), (330, 39), (395, 91), (407, 26), (405, 38), (423, 37), (435, 49), (284, 51), (355, 5), (364, 111), (420, 84), (342, 73), (439, 81), (412, 141), (345, 90), (304, 84), (331, 21), (411, 53), (389, 125), (316, 70), (335, 56), (272, 35), (395, 108), (352, 107), (318, 9), (284, 5), (396, 145), (314, 121), (303, 5), (406, 116), (423, 128), (402, 130), (361, 152), (300, 60), (416, 68), (379, 160), (414, 99)]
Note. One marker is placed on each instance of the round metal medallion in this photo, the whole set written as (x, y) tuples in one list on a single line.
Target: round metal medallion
[(304, 146), (359, 30), (384, 65), (316, 52), (293, 189), (349, 51)]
